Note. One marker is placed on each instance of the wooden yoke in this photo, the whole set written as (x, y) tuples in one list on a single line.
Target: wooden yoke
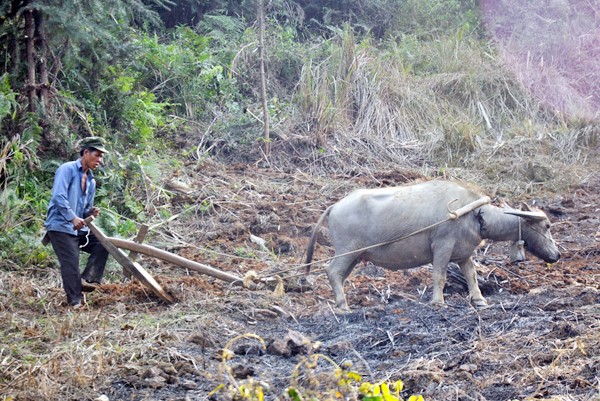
[(453, 215), (133, 267)]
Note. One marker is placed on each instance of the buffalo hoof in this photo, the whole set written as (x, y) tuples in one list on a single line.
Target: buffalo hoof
[(438, 305), (344, 310), (479, 303)]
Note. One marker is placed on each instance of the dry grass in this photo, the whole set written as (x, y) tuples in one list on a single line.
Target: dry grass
[(420, 104), (553, 50), (51, 352)]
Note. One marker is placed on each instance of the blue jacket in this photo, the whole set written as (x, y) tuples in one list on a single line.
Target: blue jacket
[(68, 199)]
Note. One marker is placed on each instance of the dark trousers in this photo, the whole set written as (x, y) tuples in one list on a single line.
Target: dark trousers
[(67, 248)]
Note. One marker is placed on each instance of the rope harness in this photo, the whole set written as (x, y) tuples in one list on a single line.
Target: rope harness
[(518, 250), (87, 240)]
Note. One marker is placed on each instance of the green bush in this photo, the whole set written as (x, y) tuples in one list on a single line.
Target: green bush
[(8, 98), (23, 202), (433, 19)]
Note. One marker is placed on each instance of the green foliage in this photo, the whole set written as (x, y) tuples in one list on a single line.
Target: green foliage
[(376, 16), (130, 190), (432, 19), (223, 30), (95, 30), (134, 110), (443, 55), (286, 54), (184, 69), (244, 252), (8, 98), (22, 203)]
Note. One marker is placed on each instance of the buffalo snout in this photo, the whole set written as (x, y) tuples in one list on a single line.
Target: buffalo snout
[(553, 258)]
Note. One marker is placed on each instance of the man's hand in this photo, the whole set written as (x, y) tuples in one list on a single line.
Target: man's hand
[(95, 212), (78, 223)]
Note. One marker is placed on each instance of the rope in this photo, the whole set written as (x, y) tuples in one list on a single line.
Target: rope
[(87, 240), (452, 215), (396, 239)]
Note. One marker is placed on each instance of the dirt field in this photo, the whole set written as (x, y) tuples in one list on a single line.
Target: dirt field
[(538, 339)]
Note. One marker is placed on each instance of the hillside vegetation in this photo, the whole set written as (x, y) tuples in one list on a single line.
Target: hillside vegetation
[(496, 93)]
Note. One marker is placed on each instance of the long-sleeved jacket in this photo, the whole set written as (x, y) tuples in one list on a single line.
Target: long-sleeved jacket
[(68, 199)]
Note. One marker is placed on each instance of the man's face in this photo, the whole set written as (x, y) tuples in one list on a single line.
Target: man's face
[(92, 158)]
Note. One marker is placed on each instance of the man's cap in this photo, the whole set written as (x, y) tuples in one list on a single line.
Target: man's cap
[(95, 142)]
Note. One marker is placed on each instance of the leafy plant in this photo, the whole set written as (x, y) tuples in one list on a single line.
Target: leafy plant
[(183, 70), (131, 191), (134, 110), (433, 19), (22, 203), (8, 98), (345, 384), (244, 252)]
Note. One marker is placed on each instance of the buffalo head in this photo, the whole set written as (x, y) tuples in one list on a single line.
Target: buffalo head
[(535, 231)]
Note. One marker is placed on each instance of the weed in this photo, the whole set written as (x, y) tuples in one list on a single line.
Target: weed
[(244, 253), (341, 383)]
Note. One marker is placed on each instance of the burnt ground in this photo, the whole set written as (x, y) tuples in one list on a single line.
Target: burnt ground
[(538, 339)]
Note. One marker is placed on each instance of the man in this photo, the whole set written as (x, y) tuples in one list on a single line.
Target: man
[(72, 201)]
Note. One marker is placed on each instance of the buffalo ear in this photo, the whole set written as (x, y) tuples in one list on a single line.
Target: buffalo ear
[(525, 207)]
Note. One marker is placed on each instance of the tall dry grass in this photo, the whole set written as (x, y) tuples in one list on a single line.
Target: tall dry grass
[(449, 102), (553, 49)]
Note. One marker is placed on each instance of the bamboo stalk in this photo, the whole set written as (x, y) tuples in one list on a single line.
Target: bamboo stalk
[(263, 79)]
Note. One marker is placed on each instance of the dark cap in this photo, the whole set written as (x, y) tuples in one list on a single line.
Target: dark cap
[(95, 142)]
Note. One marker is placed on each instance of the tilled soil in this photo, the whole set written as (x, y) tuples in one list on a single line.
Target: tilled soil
[(538, 339)]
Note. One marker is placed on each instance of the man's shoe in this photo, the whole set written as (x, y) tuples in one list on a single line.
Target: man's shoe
[(76, 305), (86, 286)]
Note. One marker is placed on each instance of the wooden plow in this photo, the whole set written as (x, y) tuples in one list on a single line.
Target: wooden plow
[(134, 269)]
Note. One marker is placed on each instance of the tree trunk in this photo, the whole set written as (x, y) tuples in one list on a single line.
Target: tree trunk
[(30, 49), (13, 44), (41, 42), (263, 80)]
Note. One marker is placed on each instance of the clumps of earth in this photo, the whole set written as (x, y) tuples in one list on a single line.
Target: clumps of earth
[(538, 338)]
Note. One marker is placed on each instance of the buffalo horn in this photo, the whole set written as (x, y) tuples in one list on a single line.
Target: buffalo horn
[(527, 215)]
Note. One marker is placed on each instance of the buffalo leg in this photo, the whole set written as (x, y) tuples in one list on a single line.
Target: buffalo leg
[(441, 258), (468, 269), (337, 272)]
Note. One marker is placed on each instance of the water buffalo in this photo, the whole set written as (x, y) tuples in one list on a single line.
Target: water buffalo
[(368, 217)]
